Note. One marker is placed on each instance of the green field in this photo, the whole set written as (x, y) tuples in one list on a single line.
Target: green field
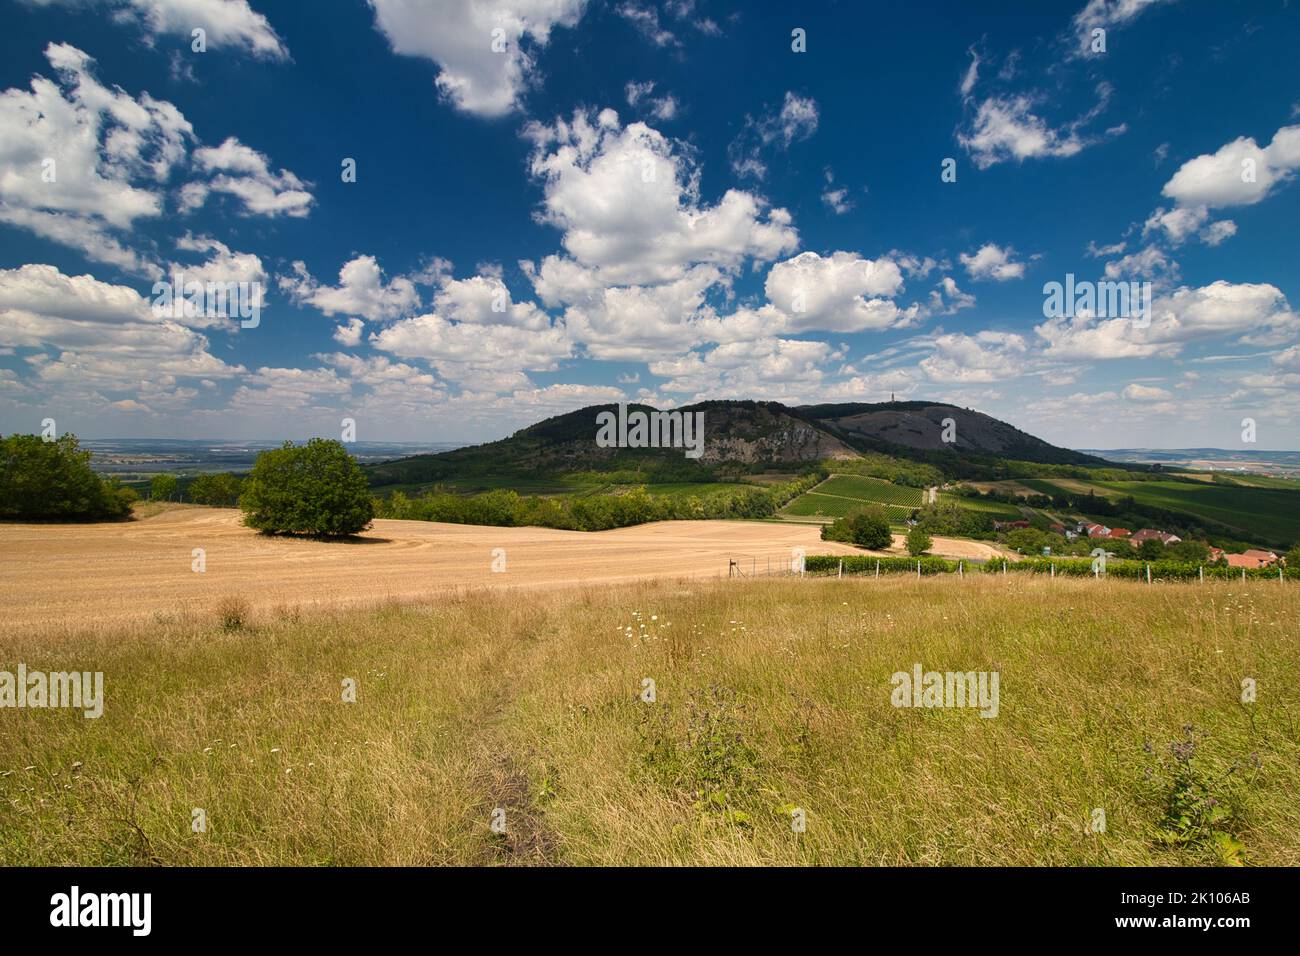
[(998, 509), (840, 495), (872, 489), (827, 506), (1266, 514), (1042, 486), (1259, 481), (1261, 512)]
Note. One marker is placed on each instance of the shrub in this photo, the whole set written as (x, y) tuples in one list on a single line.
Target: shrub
[(313, 489), (1199, 804), (53, 479), (232, 612), (918, 542), (867, 528)]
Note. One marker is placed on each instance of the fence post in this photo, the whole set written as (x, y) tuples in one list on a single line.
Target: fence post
[(918, 567), (1052, 565), (1201, 571), (1148, 574), (1243, 575), (1004, 567), (841, 574), (877, 567), (960, 573)]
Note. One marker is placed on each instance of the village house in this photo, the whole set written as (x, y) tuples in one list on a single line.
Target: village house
[(1252, 558), (1120, 532), (1096, 530), (1009, 525), (1151, 534)]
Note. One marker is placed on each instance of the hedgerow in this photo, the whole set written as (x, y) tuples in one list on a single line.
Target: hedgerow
[(589, 512), (867, 564), (1137, 570), (1128, 570)]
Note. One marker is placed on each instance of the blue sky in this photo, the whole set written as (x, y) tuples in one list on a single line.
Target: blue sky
[(656, 200)]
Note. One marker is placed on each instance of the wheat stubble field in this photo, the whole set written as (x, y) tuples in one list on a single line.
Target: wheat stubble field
[(771, 697), (82, 575)]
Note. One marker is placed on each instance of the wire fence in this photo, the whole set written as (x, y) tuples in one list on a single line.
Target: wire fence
[(1152, 572)]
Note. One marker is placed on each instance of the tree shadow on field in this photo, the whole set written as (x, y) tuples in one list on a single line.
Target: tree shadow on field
[(354, 539)]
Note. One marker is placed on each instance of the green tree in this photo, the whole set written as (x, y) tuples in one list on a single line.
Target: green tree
[(1193, 552), (53, 479), (1292, 558), (1152, 549), (162, 487), (918, 541), (313, 489), (1026, 540), (867, 528), (221, 489)]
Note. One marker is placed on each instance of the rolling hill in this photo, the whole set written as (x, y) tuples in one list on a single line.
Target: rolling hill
[(901, 428), (741, 437)]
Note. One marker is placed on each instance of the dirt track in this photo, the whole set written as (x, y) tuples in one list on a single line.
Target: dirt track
[(82, 576)]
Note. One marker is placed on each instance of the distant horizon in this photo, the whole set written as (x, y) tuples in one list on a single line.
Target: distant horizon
[(396, 442), (705, 208)]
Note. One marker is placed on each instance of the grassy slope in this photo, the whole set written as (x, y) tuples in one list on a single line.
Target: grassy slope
[(771, 694)]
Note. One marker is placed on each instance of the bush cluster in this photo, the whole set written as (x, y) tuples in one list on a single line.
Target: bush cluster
[(867, 564), (588, 512), (866, 528), (53, 480)]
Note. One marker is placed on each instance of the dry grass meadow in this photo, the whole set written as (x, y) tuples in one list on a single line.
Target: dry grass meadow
[(771, 696)]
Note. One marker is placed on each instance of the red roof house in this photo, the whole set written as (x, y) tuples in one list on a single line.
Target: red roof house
[(1151, 534), (1253, 558)]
